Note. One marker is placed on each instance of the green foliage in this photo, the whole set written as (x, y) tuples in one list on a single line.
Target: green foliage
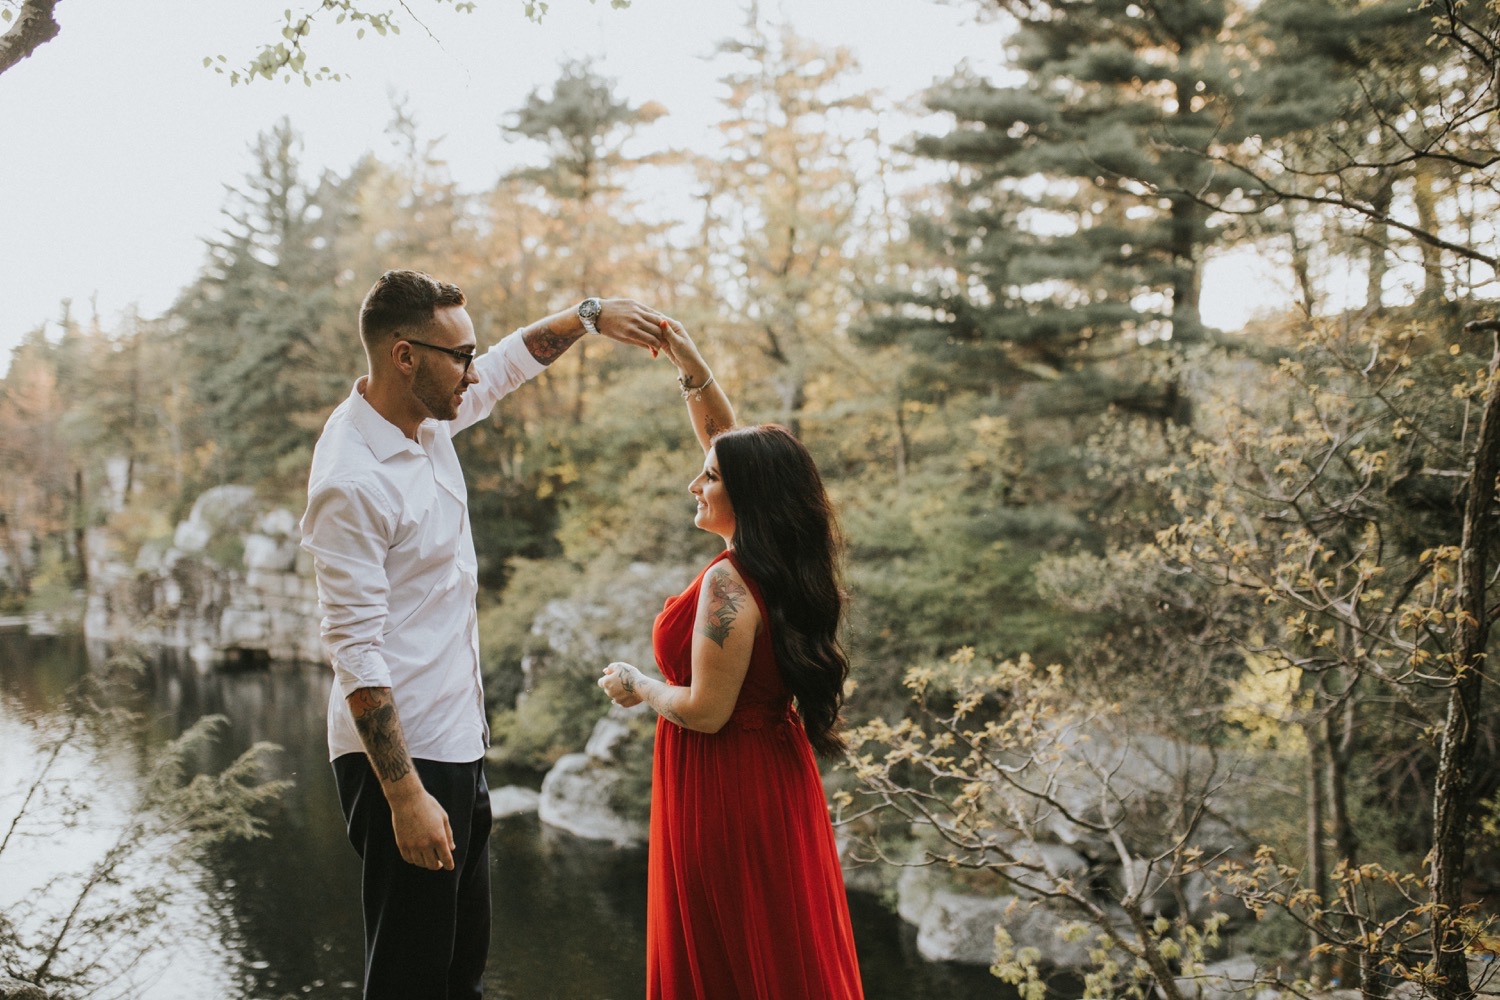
[(251, 328), (55, 591), (505, 636), (1000, 758), (1244, 545), (288, 56), (554, 717)]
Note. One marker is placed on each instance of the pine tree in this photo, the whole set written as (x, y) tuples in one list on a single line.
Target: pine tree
[(1077, 231), (250, 327)]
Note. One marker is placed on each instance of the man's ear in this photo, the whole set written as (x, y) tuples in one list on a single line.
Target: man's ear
[(403, 356)]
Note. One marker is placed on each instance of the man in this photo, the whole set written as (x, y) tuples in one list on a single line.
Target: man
[(388, 528)]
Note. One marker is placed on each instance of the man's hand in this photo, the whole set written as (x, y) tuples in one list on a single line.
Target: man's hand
[(624, 320), (630, 322), (423, 833)]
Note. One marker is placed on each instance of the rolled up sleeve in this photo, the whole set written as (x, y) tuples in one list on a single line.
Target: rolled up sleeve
[(346, 530)]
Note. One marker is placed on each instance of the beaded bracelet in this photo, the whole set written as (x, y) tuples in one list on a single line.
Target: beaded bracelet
[(695, 391)]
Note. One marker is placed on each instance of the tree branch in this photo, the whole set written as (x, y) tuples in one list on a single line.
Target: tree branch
[(34, 27)]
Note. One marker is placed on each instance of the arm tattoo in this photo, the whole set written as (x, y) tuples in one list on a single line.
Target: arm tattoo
[(380, 730), (710, 427), (658, 696), (724, 602), (545, 344), (663, 703)]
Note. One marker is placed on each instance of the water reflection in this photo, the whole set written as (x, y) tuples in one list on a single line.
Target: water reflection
[(279, 917)]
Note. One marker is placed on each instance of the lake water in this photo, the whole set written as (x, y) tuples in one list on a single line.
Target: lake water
[(279, 918)]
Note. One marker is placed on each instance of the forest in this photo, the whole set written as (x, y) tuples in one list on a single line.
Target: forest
[(1070, 506)]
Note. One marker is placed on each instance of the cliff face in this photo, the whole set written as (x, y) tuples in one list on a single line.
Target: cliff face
[(232, 586)]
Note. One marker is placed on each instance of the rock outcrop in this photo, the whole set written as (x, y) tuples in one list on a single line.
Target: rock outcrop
[(232, 585), (577, 792), (16, 989)]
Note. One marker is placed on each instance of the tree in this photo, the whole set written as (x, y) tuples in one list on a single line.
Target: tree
[(1314, 572), (598, 239), (36, 493), (93, 926), (782, 209), (1094, 831), (36, 24), (33, 27), (1075, 237), (251, 328), (1408, 125)]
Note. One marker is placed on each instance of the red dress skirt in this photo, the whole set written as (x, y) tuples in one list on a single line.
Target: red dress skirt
[(745, 895)]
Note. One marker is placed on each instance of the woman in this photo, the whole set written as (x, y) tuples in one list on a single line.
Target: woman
[(745, 895)]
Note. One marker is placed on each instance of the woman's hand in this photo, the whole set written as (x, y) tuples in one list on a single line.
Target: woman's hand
[(681, 351), (621, 682)]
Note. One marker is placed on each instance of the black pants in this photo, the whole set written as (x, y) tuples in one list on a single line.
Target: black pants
[(427, 933)]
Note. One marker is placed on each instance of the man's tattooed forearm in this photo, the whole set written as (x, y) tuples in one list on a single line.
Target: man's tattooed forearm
[(544, 344), (725, 597), (375, 718)]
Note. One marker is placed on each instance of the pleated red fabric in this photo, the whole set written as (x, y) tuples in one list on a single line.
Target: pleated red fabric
[(745, 895)]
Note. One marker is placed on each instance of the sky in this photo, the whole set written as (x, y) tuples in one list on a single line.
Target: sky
[(118, 144)]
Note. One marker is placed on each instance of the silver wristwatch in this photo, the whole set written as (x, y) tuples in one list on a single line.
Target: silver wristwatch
[(588, 313)]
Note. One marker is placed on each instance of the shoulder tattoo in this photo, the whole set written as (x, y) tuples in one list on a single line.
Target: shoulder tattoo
[(726, 598)]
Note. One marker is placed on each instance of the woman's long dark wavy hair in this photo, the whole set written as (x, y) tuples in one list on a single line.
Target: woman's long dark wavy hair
[(787, 538)]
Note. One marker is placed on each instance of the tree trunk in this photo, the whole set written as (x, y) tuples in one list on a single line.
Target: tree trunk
[(1433, 294), (1317, 863), (33, 27), (80, 531), (1452, 786), (901, 442), (1379, 234), (1187, 282), (1302, 269)]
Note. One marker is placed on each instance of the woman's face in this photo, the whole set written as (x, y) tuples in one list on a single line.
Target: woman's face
[(715, 513)]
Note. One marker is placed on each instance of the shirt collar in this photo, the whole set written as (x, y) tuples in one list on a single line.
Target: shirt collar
[(383, 437)]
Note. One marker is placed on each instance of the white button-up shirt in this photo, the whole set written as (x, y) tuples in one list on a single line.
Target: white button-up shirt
[(387, 525)]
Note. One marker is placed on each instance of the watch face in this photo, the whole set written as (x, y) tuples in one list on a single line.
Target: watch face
[(590, 308)]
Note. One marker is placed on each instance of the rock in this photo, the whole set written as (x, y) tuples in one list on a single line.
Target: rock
[(606, 621), (871, 877), (575, 798), (576, 792), (1484, 975), (223, 508), (1233, 978), (514, 800), (279, 555), (264, 607), (955, 926), (1146, 776), (15, 989), (609, 732), (278, 523)]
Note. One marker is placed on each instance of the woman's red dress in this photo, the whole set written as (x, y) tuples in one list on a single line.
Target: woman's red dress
[(745, 895)]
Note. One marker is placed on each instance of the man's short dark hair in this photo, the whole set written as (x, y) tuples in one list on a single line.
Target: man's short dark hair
[(403, 301)]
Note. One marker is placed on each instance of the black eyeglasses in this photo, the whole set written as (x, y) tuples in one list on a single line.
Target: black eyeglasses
[(467, 357)]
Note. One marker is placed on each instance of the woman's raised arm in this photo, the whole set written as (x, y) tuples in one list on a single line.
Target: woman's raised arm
[(708, 407)]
